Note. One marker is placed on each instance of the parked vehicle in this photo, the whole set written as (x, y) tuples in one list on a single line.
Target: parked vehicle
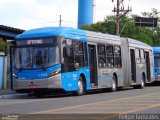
[(60, 58)]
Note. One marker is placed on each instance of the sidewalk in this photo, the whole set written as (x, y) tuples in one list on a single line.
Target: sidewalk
[(6, 92), (9, 94)]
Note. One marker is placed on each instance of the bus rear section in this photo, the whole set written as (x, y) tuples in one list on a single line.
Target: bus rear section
[(137, 63), (156, 51)]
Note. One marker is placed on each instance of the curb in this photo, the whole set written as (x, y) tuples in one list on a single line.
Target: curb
[(9, 96)]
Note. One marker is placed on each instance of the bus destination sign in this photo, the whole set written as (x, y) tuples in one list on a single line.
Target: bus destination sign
[(32, 42), (36, 41)]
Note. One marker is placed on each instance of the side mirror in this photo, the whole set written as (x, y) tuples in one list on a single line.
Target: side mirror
[(76, 65)]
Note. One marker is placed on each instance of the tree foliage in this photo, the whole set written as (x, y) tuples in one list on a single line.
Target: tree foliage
[(3, 46), (147, 35)]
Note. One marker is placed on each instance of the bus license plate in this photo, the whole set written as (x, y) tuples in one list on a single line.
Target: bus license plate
[(32, 86)]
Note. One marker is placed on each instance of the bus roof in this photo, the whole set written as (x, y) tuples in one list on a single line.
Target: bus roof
[(98, 36), (136, 42), (156, 49), (67, 32), (72, 33)]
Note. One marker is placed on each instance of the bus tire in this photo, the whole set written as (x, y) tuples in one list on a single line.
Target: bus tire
[(81, 87), (114, 84), (141, 86)]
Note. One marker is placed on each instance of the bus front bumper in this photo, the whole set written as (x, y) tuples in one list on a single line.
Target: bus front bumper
[(33, 84)]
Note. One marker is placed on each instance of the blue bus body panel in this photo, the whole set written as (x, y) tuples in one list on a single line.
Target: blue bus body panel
[(35, 74), (67, 32), (156, 72), (156, 50), (70, 79)]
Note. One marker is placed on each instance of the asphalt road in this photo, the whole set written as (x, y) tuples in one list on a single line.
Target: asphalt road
[(94, 105)]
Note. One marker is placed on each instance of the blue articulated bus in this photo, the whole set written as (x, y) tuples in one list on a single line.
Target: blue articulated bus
[(73, 60), (156, 51)]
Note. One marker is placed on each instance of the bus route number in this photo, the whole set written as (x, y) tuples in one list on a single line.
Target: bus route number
[(30, 42)]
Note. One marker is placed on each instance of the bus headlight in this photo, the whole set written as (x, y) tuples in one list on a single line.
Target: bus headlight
[(55, 72)]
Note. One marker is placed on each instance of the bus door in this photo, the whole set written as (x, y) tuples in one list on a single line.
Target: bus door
[(133, 65), (148, 68), (93, 65)]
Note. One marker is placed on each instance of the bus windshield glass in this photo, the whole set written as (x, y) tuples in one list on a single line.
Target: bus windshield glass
[(157, 61), (35, 57)]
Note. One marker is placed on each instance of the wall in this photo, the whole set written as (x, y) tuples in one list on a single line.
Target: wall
[(1, 70)]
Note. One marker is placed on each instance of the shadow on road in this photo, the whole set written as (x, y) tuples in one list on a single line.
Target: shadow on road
[(90, 92), (155, 83), (101, 91)]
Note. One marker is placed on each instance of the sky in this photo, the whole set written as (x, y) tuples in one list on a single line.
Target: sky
[(28, 14)]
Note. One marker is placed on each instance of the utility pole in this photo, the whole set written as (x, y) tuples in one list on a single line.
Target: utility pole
[(120, 12), (117, 18), (60, 21)]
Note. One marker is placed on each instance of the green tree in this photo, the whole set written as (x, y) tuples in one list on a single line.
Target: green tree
[(107, 26), (3, 46), (147, 35)]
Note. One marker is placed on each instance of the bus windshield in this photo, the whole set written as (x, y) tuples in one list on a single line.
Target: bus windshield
[(35, 57), (157, 61)]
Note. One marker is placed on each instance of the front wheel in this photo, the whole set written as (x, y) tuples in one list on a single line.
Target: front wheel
[(81, 87), (114, 84)]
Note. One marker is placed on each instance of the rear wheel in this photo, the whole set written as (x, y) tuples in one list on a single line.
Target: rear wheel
[(81, 87), (114, 84), (142, 85)]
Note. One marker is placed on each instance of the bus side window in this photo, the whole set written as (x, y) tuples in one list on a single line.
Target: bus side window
[(138, 56), (142, 55), (117, 56), (110, 56), (79, 53), (101, 56), (68, 51)]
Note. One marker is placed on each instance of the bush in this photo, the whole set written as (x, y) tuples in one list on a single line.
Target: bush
[(3, 46)]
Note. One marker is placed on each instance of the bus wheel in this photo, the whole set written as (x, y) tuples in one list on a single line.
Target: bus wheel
[(81, 87), (114, 84), (141, 86)]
